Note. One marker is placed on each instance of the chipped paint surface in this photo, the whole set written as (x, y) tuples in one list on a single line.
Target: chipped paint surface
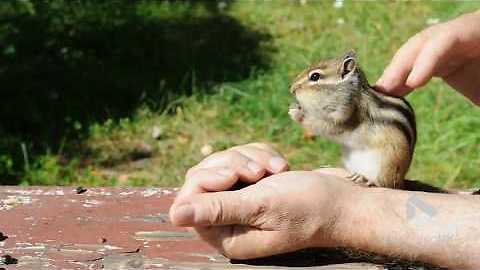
[(163, 235), (114, 228), (14, 200), (56, 228)]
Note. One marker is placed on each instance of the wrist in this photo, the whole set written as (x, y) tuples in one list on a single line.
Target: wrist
[(369, 219), (338, 229), (350, 209)]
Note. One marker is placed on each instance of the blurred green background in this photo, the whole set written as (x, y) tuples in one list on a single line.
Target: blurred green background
[(135, 92)]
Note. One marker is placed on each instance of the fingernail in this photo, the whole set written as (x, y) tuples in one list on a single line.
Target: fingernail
[(411, 81), (254, 167), (183, 215), (278, 164), (383, 84), (379, 82)]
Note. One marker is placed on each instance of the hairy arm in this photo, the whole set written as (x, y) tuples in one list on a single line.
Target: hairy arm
[(288, 211), (439, 229)]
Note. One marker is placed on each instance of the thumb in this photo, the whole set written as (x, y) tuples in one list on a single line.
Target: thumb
[(217, 208)]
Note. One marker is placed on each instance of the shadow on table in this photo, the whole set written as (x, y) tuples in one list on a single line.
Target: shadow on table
[(333, 256), (303, 258)]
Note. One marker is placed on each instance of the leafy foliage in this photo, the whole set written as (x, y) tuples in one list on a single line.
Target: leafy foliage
[(69, 64)]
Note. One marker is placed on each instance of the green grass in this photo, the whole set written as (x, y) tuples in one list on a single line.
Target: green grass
[(254, 107)]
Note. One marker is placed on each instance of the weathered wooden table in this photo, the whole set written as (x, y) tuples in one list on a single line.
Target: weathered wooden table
[(120, 228)]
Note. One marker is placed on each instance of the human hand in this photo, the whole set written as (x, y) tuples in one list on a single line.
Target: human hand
[(247, 163), (282, 213), (449, 50)]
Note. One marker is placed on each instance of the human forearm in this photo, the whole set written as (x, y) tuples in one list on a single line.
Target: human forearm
[(298, 209), (435, 228)]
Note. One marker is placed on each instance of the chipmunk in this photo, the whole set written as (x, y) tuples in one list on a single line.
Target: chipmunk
[(377, 132)]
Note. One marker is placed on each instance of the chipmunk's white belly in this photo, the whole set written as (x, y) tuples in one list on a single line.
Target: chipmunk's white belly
[(362, 161)]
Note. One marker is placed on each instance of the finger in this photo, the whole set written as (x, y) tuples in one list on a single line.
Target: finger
[(466, 79), (270, 160), (334, 171), (203, 180), (398, 91), (264, 146), (247, 169), (219, 208), (235, 242), (394, 77), (428, 59)]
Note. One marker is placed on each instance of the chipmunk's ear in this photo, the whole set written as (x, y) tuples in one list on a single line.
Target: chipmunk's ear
[(349, 63)]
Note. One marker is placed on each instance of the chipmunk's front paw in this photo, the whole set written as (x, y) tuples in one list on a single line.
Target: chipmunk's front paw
[(296, 112), (361, 180)]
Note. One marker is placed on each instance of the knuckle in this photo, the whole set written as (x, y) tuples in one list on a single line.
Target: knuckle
[(420, 38), (257, 216), (450, 37), (430, 31), (236, 147), (259, 213), (216, 159), (215, 156), (263, 146), (193, 174), (398, 53), (216, 211), (190, 172), (236, 157), (234, 153), (211, 159), (240, 149)]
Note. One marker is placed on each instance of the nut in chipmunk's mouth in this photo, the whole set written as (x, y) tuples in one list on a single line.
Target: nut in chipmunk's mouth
[(295, 111)]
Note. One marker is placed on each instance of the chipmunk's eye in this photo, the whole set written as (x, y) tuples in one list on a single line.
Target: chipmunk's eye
[(315, 76)]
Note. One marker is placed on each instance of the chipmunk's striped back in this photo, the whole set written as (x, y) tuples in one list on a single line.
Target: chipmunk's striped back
[(396, 112)]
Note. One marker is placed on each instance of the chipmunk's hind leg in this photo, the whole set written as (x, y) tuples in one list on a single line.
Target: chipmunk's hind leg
[(361, 180)]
